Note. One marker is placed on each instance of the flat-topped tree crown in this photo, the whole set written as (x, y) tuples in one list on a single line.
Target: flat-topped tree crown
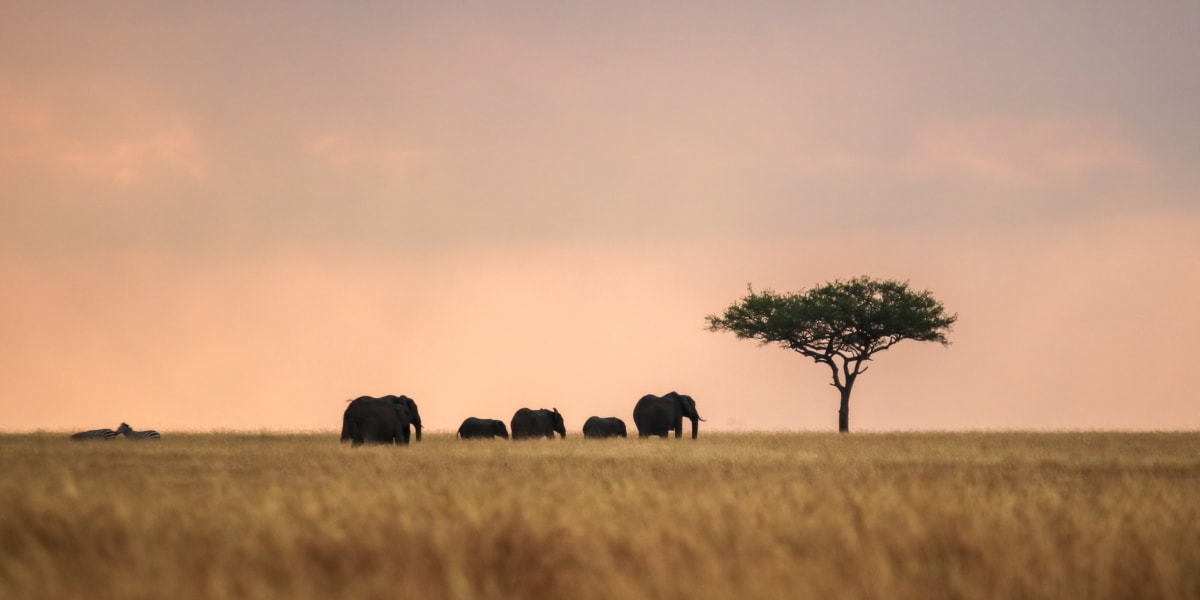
[(841, 324)]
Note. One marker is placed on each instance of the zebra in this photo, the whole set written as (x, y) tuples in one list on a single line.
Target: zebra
[(94, 434), (148, 434)]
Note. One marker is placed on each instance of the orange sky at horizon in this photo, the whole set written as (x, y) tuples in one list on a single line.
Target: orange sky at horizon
[(232, 218), (280, 345)]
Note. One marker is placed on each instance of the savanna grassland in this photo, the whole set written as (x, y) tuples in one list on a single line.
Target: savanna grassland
[(953, 515)]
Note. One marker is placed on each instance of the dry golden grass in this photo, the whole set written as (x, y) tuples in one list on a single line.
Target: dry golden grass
[(971, 515)]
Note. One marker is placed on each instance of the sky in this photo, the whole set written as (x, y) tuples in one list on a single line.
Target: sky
[(237, 216)]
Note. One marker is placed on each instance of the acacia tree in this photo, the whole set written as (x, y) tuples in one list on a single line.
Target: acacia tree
[(842, 324)]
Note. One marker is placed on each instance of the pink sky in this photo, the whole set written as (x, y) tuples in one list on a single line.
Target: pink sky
[(237, 218)]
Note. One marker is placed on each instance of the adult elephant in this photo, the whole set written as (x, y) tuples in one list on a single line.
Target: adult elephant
[(528, 423), (473, 428), (385, 420), (603, 427), (655, 415)]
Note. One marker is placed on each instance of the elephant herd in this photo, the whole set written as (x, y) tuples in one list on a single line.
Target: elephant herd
[(393, 419)]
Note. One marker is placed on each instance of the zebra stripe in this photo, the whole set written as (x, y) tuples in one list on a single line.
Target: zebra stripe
[(94, 434), (148, 434)]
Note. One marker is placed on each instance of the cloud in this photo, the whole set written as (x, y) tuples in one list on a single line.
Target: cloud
[(171, 150), (1008, 151), (354, 151), (119, 138), (1021, 151)]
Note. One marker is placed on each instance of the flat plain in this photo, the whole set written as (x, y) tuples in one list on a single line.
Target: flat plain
[(735, 515)]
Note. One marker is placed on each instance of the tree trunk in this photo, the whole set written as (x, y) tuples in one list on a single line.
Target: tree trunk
[(844, 411)]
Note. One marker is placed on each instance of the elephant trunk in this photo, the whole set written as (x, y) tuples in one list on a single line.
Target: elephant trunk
[(695, 426)]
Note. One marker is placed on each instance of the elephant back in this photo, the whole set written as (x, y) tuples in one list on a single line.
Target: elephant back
[(473, 427), (655, 415), (523, 424), (648, 407), (603, 427), (373, 420), (529, 423)]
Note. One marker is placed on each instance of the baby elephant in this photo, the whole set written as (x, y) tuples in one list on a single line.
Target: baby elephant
[(603, 427), (473, 428)]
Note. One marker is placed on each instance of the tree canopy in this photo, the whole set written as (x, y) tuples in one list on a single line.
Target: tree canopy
[(841, 324)]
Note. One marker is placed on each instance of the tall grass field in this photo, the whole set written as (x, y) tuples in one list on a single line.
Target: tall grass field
[(755, 515)]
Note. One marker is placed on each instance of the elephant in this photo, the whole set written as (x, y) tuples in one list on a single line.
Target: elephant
[(385, 420), (94, 434), (527, 423), (132, 434), (603, 427), (473, 428), (656, 416)]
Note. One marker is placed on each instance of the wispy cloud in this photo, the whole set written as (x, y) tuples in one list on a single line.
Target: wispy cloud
[(122, 140), (171, 150), (1021, 151), (1024, 152), (343, 150)]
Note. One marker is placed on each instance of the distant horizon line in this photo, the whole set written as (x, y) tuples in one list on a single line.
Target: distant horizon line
[(723, 432)]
